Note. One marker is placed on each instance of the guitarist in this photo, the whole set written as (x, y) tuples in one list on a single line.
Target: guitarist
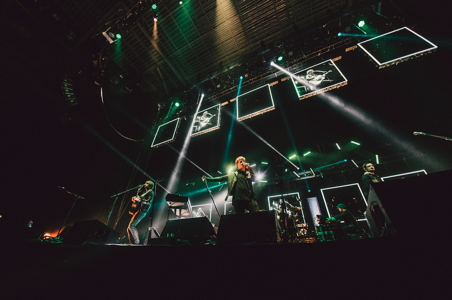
[(143, 200)]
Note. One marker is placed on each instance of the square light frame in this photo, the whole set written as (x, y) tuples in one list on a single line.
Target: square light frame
[(322, 90), (289, 194), (262, 111), (341, 186), (414, 172), (167, 141), (396, 61), (212, 128)]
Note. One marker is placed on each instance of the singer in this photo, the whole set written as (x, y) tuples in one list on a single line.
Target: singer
[(145, 196), (240, 187), (369, 177)]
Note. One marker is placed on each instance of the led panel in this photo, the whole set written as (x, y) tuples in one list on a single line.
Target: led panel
[(396, 46), (292, 204), (255, 102), (350, 194), (166, 133), (404, 175), (206, 120), (204, 210), (318, 79)]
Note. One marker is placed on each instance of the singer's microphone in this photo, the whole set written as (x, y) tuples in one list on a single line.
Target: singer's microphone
[(418, 133), (190, 183), (244, 163)]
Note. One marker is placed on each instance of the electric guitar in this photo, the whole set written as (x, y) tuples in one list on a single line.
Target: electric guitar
[(137, 203)]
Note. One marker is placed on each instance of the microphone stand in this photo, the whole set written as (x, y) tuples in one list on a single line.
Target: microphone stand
[(211, 196), (151, 216), (67, 216), (284, 210), (117, 195), (437, 136)]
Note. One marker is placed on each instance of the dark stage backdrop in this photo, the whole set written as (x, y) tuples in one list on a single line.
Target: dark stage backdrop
[(378, 108)]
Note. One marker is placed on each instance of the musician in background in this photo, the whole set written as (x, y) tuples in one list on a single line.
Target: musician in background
[(144, 198), (240, 187), (350, 226), (369, 177)]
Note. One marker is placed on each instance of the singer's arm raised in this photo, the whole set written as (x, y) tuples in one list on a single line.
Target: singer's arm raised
[(220, 178)]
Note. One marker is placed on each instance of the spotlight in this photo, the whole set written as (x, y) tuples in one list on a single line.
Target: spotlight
[(339, 34), (156, 17), (177, 104), (355, 163), (154, 6), (280, 58), (292, 156), (376, 159), (338, 146), (353, 142), (264, 163), (241, 77), (307, 153), (118, 36), (180, 2), (361, 23)]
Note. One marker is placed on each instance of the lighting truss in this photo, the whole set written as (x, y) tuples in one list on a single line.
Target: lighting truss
[(396, 46), (206, 120), (255, 102), (404, 175), (362, 204), (291, 200), (318, 79), (166, 133), (203, 210)]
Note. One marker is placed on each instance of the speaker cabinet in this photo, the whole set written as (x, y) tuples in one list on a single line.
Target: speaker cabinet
[(259, 227), (92, 231), (188, 229), (416, 206)]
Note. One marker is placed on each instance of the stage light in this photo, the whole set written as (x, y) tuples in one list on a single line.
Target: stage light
[(361, 23), (118, 36), (241, 77), (307, 153), (259, 176), (180, 2), (339, 34), (253, 165), (230, 169), (338, 146), (296, 174), (285, 170), (355, 163), (292, 156), (154, 6), (155, 18), (376, 159), (355, 143), (177, 104), (280, 58), (353, 186), (219, 172), (264, 163)]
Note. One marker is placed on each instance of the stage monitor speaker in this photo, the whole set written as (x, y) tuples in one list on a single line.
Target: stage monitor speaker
[(416, 206), (259, 227), (93, 231), (188, 229)]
